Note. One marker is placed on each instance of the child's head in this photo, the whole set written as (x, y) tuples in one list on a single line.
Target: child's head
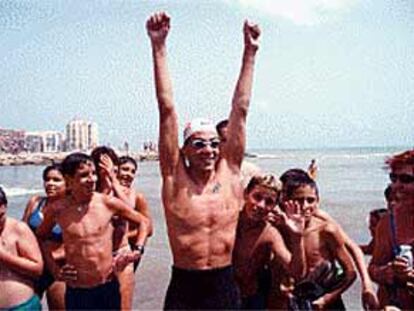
[(127, 169), (73, 161), (374, 218), (261, 195), (53, 181), (80, 174), (300, 187)]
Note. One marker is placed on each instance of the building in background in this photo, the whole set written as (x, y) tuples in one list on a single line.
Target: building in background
[(81, 135), (44, 141), (12, 141)]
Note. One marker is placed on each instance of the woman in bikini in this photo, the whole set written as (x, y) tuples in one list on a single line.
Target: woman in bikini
[(52, 249)]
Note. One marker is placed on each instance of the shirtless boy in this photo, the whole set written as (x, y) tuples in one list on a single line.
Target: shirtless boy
[(323, 246), (201, 191), (394, 273), (126, 172), (20, 263), (258, 240), (369, 298), (85, 219)]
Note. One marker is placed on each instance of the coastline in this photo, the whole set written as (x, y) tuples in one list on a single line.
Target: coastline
[(7, 159)]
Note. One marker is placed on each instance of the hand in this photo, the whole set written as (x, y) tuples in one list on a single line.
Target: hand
[(66, 273), (158, 26), (123, 258), (251, 35), (293, 218), (107, 166), (320, 303), (369, 300), (274, 216), (401, 269)]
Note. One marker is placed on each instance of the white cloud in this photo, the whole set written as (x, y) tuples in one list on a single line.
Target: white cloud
[(301, 12)]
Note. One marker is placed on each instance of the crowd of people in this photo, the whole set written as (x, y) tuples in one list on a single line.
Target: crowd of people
[(240, 238)]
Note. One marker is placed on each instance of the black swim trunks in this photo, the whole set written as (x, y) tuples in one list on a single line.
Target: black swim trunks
[(202, 289), (101, 297)]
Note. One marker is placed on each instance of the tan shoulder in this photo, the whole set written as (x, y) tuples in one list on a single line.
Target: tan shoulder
[(19, 227), (35, 199), (331, 228), (319, 213)]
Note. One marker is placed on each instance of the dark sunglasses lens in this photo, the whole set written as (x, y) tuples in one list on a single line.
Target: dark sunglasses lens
[(198, 144), (393, 177), (406, 179), (215, 144)]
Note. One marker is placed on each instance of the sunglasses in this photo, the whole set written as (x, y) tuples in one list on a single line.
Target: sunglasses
[(202, 143), (403, 178)]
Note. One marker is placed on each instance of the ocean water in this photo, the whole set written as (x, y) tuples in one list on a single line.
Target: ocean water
[(351, 183)]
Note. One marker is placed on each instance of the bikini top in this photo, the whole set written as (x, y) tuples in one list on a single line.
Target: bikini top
[(36, 219)]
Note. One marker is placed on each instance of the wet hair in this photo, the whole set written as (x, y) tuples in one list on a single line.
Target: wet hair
[(52, 167), (292, 174), (294, 179), (267, 181), (127, 159), (221, 125), (101, 150), (73, 161), (3, 198), (400, 160), (378, 213)]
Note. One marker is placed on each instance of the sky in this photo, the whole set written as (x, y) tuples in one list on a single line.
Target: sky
[(329, 73)]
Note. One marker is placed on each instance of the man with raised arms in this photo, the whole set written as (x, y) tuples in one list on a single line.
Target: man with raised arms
[(85, 217), (20, 263), (201, 191)]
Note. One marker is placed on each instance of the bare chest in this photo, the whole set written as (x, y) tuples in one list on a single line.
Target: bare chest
[(204, 210), (78, 223), (316, 248)]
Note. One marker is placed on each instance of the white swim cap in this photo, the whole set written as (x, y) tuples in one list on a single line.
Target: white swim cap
[(198, 125)]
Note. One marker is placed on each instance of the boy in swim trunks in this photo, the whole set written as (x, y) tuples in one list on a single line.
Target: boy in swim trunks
[(324, 245), (85, 217), (258, 240)]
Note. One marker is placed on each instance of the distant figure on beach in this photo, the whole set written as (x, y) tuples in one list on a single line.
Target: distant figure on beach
[(85, 217), (323, 284), (257, 240), (313, 169), (248, 169), (201, 191), (374, 218), (391, 265), (369, 299), (52, 248), (20, 263)]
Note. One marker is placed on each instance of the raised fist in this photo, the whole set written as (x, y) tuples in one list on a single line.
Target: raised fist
[(251, 35), (158, 26)]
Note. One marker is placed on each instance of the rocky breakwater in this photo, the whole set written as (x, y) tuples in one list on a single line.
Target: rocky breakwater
[(57, 157)]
